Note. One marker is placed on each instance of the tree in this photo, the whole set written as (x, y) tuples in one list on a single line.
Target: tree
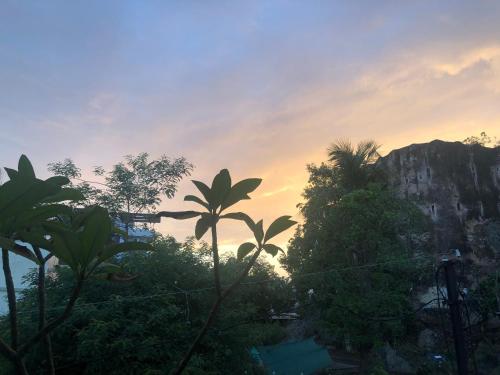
[(354, 165), (31, 212), (482, 140), (217, 198), (357, 241), (133, 186)]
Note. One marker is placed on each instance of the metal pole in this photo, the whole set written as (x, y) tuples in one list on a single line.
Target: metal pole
[(456, 319)]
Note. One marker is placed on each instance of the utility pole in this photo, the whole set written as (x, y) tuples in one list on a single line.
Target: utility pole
[(456, 318)]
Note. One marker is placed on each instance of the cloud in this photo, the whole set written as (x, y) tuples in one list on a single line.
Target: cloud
[(262, 89), (277, 191), (468, 60)]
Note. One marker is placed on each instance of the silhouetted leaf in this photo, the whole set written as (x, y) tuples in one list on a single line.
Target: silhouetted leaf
[(65, 245), (205, 190), (240, 191), (272, 249), (179, 215), (240, 216), (194, 198), (20, 193), (279, 225), (24, 252), (12, 173), (202, 225), (25, 168), (41, 213), (58, 180), (244, 249), (221, 185), (96, 234), (258, 231), (66, 194)]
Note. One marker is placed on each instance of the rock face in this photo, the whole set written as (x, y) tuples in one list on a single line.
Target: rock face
[(458, 187)]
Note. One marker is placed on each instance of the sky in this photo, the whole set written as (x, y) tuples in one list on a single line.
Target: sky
[(259, 87)]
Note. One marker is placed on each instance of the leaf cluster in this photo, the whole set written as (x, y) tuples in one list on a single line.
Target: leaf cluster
[(222, 195)]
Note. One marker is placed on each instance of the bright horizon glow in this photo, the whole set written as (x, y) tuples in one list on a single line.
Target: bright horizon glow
[(260, 88)]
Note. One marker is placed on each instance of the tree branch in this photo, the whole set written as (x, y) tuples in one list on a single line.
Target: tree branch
[(11, 296), (215, 251), (54, 323), (213, 313), (41, 309)]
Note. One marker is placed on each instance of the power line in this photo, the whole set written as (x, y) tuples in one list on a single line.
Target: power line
[(198, 290), (192, 291), (90, 182)]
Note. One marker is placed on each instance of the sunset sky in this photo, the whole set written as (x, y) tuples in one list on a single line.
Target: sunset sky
[(260, 88)]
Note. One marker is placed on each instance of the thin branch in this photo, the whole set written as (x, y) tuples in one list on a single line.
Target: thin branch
[(54, 323), (41, 309), (215, 251), (213, 313), (11, 296)]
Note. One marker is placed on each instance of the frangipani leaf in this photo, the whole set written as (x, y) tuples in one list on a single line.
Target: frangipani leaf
[(40, 214), (202, 225), (8, 244), (12, 173), (66, 194), (221, 185), (96, 234), (240, 191), (205, 190), (179, 215), (24, 252), (78, 220), (194, 198), (20, 194), (258, 231), (25, 168), (240, 216), (244, 249), (58, 180), (277, 226), (66, 246), (272, 249)]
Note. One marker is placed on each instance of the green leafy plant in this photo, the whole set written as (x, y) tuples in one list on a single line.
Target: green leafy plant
[(216, 199), (132, 186), (31, 211)]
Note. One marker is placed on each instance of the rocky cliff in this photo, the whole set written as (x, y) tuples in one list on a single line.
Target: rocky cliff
[(458, 187)]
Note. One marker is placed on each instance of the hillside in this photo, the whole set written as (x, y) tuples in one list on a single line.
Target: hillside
[(458, 187)]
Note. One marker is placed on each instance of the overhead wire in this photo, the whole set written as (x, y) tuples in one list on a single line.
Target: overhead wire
[(198, 290)]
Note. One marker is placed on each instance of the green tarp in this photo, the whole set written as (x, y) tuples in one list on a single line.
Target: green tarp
[(301, 357)]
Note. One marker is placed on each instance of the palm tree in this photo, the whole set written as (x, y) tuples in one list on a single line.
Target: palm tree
[(355, 166)]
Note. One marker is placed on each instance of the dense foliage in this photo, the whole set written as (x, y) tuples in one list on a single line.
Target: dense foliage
[(144, 325), (358, 242), (34, 217)]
